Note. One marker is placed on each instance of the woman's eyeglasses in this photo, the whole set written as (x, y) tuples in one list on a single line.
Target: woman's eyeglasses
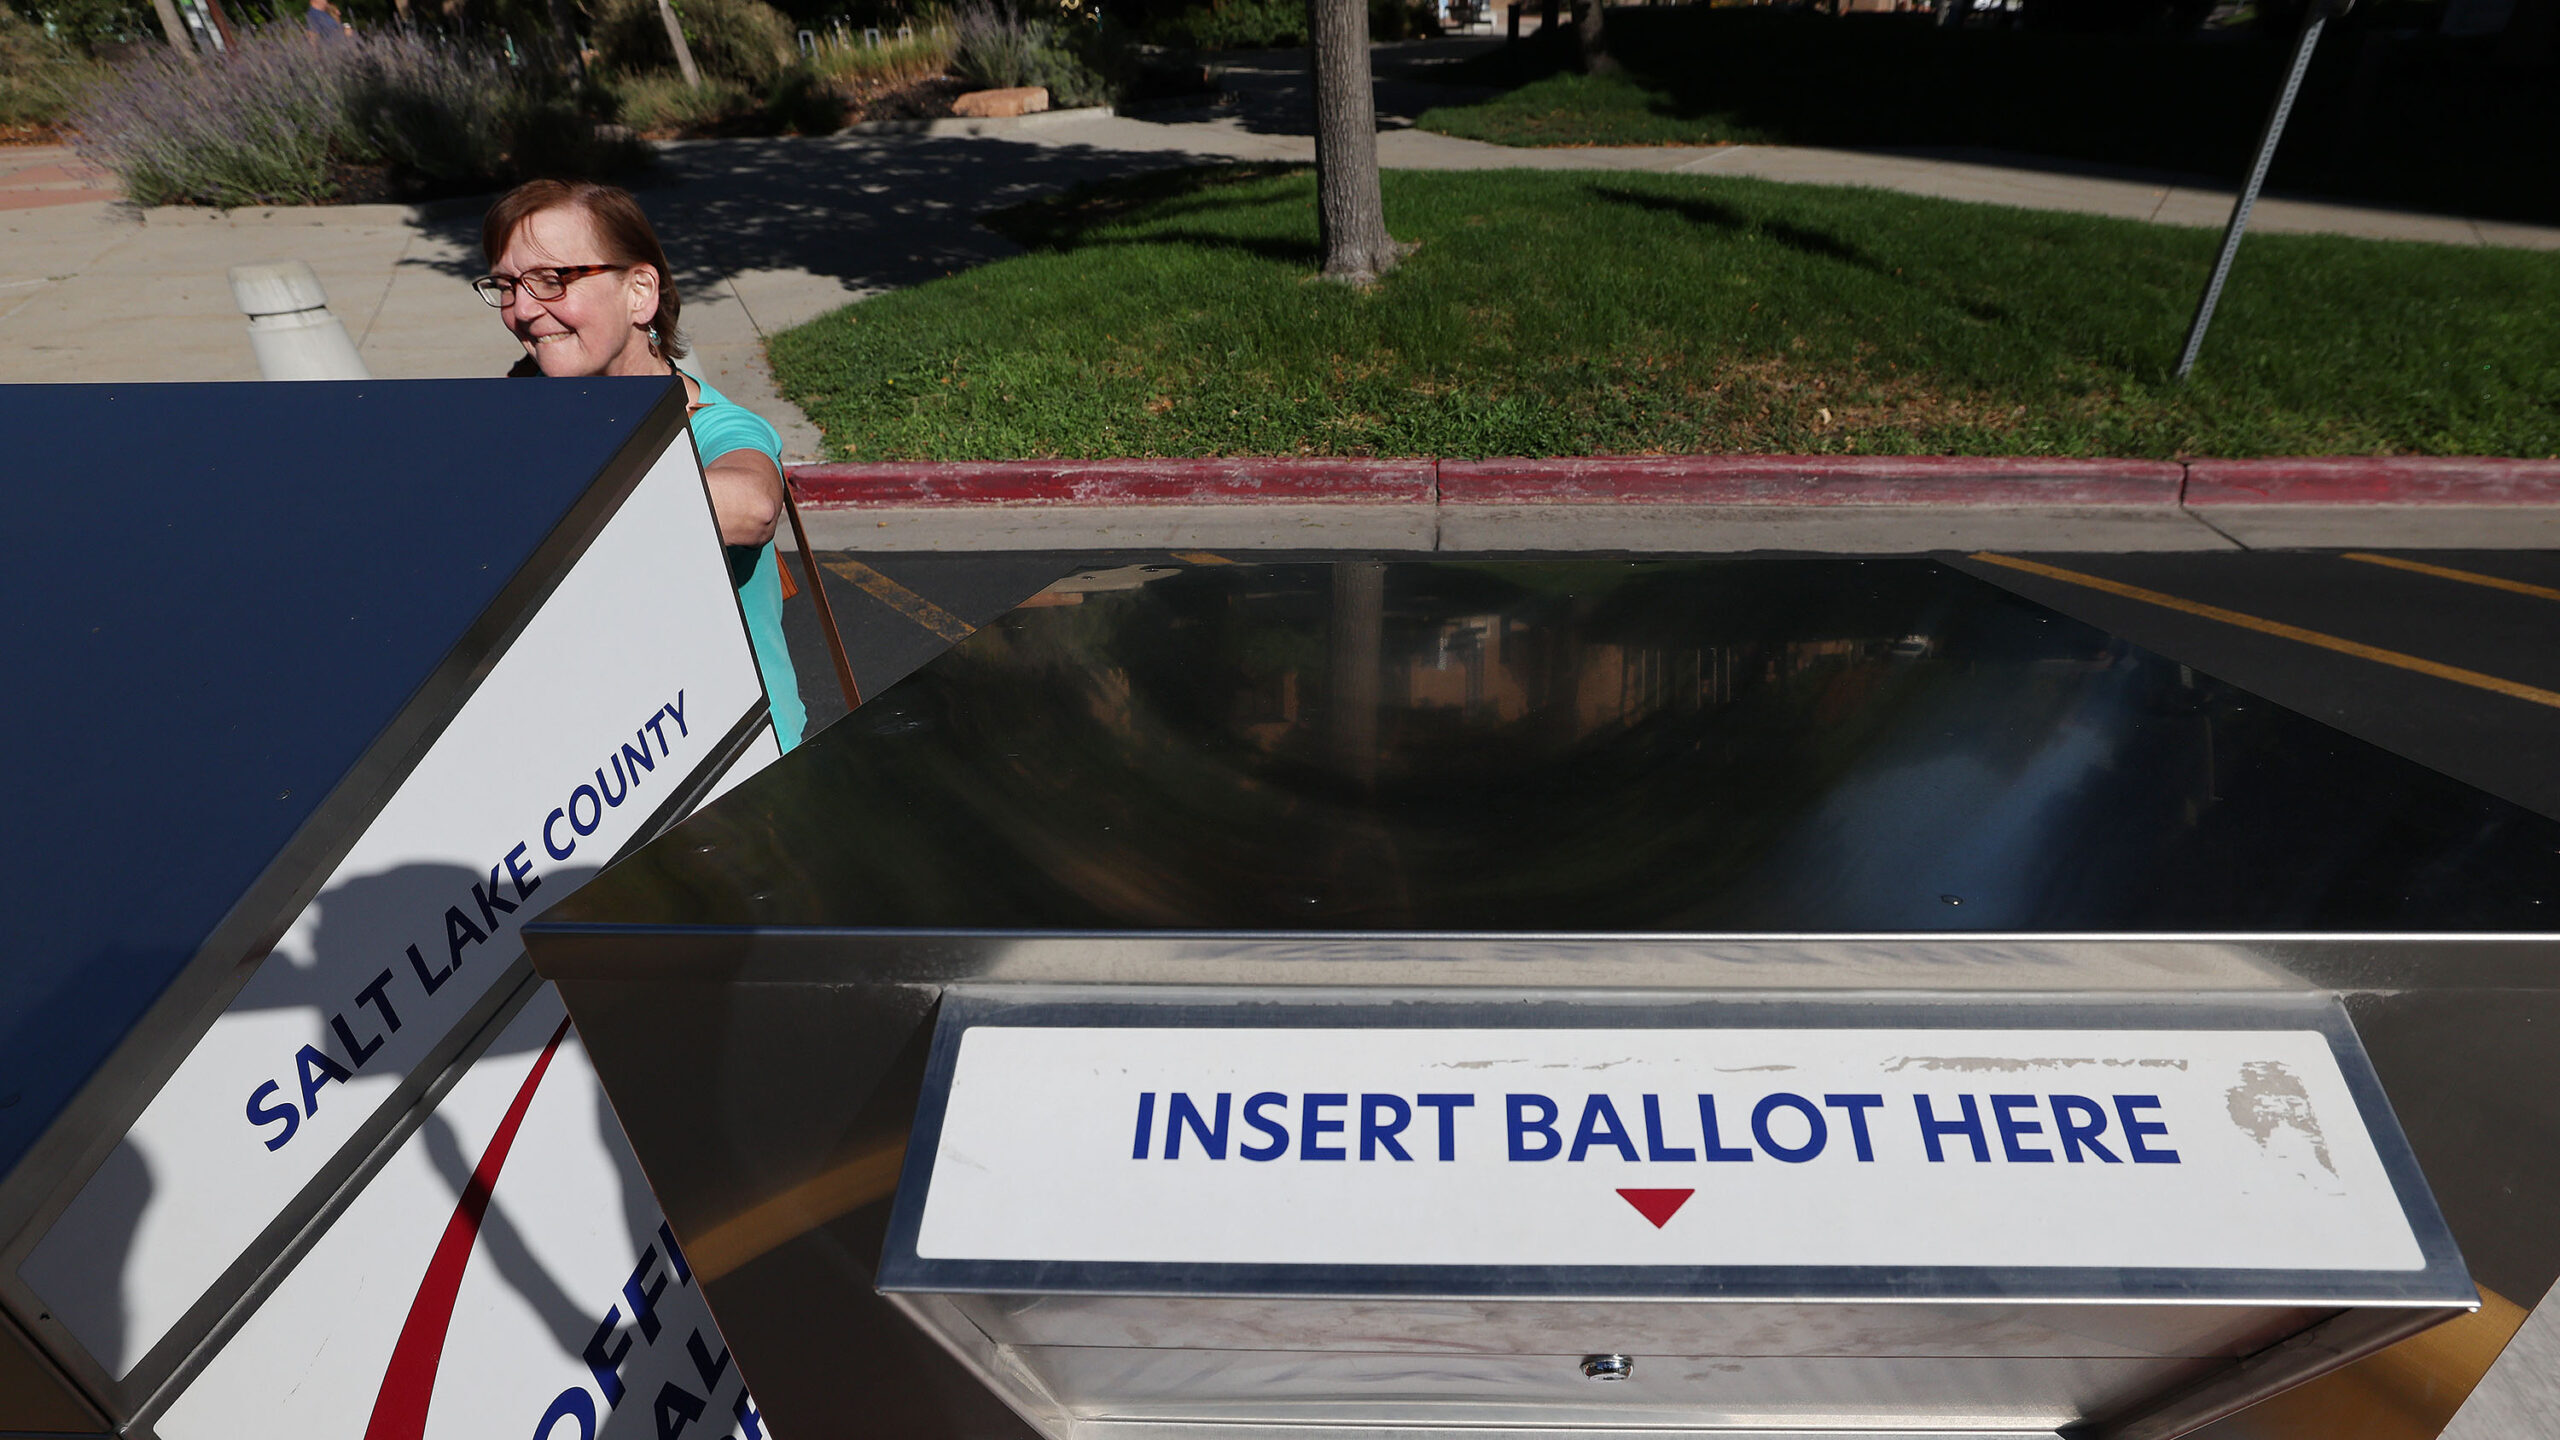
[(546, 284)]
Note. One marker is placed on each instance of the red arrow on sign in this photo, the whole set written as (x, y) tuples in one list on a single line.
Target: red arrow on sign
[(1657, 1206)]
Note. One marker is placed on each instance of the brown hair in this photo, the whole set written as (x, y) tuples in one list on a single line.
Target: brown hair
[(623, 228)]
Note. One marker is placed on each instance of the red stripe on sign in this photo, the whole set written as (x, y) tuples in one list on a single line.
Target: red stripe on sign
[(409, 1381)]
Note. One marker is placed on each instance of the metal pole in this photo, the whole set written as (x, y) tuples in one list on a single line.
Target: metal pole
[(818, 595), (2312, 21)]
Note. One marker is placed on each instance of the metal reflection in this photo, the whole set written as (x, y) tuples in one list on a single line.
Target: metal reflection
[(1806, 765), (1720, 744)]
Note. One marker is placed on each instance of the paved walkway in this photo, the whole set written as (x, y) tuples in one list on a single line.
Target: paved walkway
[(38, 175), (771, 233)]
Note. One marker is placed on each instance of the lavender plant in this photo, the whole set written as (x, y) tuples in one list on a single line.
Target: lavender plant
[(274, 121), (436, 110), (1080, 60), (259, 126)]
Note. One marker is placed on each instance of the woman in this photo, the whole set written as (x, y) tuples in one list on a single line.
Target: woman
[(581, 281)]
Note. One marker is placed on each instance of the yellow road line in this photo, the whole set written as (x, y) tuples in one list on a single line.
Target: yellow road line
[(1201, 557), (903, 600), (2361, 651), (2447, 572)]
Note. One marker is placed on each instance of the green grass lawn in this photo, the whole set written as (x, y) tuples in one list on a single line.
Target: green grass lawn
[(1571, 109), (1559, 314), (2389, 112)]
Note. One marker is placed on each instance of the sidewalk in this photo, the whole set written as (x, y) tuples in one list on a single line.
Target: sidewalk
[(768, 234), (38, 175)]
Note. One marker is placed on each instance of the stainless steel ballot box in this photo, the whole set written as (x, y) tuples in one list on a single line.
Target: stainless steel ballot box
[(1521, 1000)]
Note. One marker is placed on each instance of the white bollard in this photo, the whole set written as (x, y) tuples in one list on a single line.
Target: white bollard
[(290, 327)]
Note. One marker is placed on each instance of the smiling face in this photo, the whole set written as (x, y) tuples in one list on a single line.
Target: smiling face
[(600, 325)]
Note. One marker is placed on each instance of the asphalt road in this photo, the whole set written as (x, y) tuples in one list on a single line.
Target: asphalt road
[(898, 611), (2448, 658), (2453, 665)]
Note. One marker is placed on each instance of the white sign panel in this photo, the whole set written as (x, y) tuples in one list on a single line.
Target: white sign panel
[(506, 1275), (622, 685), (2210, 1149)]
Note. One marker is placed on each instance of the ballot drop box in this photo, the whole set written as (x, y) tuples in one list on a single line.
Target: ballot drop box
[(324, 690), (1723, 997)]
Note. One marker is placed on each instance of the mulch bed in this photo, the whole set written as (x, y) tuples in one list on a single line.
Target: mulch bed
[(926, 99)]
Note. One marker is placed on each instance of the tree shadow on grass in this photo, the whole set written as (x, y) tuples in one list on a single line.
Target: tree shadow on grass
[(1698, 210), (1302, 255), (1069, 221), (1803, 239)]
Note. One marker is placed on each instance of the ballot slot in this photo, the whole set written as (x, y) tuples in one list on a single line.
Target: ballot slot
[(1248, 1207)]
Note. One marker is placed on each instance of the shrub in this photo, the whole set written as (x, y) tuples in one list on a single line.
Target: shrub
[(443, 115), (559, 140), (745, 41), (448, 118), (92, 23), (842, 56), (41, 77), (993, 47), (1402, 20), (803, 103), (798, 101), (257, 125), (1079, 61), (662, 104), (1236, 25), (275, 120)]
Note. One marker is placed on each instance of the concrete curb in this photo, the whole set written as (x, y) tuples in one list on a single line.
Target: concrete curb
[(1815, 480), (1123, 504), (1119, 482), (1862, 504), (2457, 502), (2390, 480)]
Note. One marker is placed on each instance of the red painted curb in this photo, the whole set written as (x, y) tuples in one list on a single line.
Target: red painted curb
[(2380, 480), (1118, 482), (1815, 480), (1791, 481)]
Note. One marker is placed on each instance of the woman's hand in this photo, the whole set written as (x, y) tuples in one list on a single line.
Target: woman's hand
[(746, 496)]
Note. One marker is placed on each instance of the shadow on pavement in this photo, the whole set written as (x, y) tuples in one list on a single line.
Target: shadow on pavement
[(880, 212), (872, 212), (1269, 92)]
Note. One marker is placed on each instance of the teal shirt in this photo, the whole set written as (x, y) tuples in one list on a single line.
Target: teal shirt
[(721, 428)]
